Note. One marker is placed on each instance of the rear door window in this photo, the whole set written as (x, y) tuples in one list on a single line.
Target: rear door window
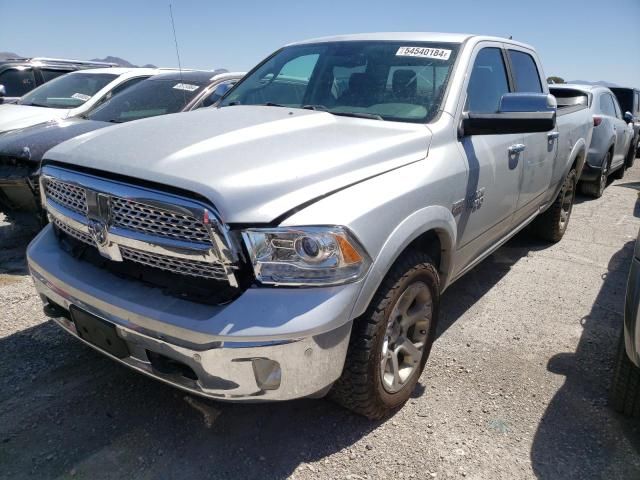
[(17, 82), (488, 81), (525, 72), (50, 73), (606, 105)]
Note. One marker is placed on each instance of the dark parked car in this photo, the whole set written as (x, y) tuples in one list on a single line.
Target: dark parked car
[(21, 150), (625, 390), (21, 75), (629, 100)]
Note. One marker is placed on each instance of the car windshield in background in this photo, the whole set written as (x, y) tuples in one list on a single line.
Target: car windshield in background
[(67, 91), (147, 99), (389, 80)]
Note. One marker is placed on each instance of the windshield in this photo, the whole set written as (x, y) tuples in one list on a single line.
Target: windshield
[(147, 99), (67, 91), (400, 81)]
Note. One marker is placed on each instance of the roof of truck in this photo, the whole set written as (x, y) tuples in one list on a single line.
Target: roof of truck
[(411, 36), (202, 76), (585, 87)]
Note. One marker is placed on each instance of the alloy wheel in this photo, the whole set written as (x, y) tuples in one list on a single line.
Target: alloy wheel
[(406, 335)]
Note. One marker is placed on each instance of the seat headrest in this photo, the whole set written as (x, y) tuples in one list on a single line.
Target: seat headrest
[(404, 83)]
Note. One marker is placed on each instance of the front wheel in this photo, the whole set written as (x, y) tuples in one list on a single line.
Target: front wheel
[(391, 342), (552, 224)]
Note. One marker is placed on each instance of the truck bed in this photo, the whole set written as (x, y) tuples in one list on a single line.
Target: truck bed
[(571, 100)]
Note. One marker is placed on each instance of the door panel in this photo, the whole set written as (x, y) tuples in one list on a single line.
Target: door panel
[(540, 147), (494, 173)]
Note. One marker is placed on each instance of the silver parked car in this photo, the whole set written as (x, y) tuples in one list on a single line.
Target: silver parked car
[(612, 135), (296, 239), (625, 388)]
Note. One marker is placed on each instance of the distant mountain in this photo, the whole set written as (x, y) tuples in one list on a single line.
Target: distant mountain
[(121, 62), (109, 59), (6, 55), (600, 82)]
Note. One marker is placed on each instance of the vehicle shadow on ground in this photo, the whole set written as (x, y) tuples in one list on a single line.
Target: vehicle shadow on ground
[(13, 245), (579, 433), (66, 409), (464, 293)]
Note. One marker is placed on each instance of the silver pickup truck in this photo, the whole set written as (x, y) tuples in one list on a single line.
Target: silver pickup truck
[(295, 240)]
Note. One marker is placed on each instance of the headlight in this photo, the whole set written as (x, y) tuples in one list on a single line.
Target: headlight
[(305, 255)]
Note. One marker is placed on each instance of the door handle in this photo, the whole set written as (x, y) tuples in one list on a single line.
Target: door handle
[(517, 148), (552, 135)]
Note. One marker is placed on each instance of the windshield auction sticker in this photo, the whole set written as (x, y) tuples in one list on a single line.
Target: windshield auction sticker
[(424, 52), (80, 96), (185, 86)]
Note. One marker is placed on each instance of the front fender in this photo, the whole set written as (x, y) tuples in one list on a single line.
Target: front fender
[(432, 218)]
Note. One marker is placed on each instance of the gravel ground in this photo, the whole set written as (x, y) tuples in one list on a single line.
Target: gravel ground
[(516, 386)]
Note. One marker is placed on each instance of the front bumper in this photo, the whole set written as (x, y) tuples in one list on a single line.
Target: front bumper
[(269, 344), (19, 188)]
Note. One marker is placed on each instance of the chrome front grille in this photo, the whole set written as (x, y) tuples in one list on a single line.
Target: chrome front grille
[(147, 227), (77, 234), (154, 221), (70, 196), (175, 265)]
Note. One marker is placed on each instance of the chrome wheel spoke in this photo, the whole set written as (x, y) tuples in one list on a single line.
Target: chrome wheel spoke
[(395, 370), (413, 349), (405, 337)]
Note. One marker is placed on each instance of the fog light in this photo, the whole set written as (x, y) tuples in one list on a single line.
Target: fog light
[(267, 373)]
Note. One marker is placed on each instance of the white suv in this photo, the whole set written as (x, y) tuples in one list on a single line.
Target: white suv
[(70, 95)]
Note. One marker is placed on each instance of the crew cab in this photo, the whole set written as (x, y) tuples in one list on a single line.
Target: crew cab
[(21, 150), (295, 240), (70, 95)]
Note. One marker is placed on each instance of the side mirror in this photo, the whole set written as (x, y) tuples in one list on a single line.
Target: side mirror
[(517, 113), (628, 117), (3, 91)]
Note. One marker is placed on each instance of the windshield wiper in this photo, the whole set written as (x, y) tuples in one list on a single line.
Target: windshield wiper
[(370, 116), (320, 108), (271, 104), (113, 120), (33, 104)]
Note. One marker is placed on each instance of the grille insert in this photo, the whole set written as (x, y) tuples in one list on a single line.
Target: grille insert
[(67, 195), (152, 220), (193, 268), (181, 266)]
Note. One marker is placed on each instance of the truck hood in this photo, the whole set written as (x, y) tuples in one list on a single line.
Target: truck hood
[(31, 143), (254, 163), (20, 116)]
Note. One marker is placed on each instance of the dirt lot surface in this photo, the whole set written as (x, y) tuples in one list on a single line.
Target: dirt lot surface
[(516, 386)]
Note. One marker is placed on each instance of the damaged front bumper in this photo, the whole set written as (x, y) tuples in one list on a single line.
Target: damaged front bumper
[(268, 344)]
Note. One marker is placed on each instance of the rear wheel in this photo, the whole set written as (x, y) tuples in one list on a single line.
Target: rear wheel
[(596, 189), (391, 342), (625, 388), (619, 173), (552, 224)]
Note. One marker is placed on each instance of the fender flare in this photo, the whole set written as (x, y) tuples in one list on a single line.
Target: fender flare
[(579, 147), (434, 218)]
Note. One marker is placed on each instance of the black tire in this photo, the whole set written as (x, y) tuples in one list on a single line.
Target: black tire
[(596, 189), (552, 224), (624, 396), (361, 387)]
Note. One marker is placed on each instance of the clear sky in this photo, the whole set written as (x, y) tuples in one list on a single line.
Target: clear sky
[(577, 39)]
